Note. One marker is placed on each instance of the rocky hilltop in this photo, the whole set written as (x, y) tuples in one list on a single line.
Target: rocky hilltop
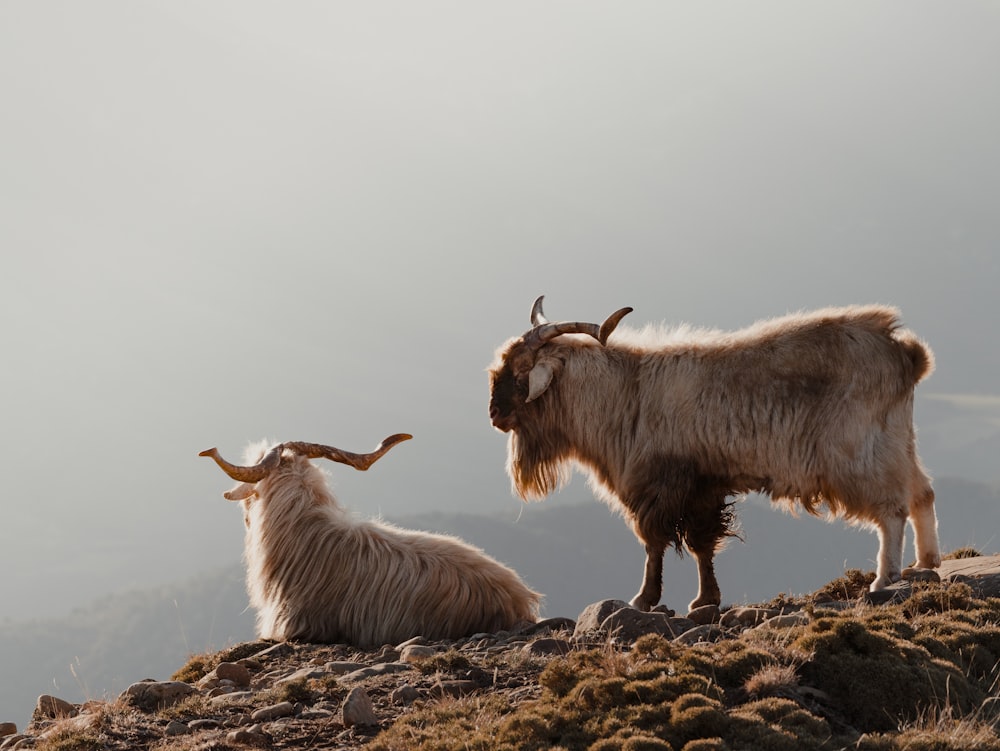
[(915, 667)]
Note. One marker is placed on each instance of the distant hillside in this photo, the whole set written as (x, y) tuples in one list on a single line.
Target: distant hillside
[(574, 554)]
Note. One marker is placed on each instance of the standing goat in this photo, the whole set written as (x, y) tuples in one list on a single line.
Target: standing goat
[(815, 409), (316, 574)]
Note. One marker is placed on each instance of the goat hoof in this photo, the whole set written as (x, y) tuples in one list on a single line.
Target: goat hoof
[(932, 560), (884, 581), (639, 603)]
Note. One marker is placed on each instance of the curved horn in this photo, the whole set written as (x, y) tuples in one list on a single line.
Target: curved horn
[(256, 473), (358, 461), (611, 323), (537, 316), (543, 331)]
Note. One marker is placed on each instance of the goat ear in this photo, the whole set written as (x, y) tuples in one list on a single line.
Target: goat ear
[(540, 377), (241, 492)]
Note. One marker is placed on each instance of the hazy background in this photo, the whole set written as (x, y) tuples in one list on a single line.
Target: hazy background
[(224, 221)]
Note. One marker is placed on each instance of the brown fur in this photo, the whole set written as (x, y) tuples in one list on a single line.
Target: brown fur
[(814, 409), (315, 573)]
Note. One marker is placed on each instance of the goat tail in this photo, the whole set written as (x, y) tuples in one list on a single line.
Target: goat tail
[(920, 356)]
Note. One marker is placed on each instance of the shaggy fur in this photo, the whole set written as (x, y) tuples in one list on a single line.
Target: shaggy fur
[(316, 574), (814, 409)]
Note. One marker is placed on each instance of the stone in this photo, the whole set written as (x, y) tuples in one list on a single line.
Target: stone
[(787, 620), (231, 697), (358, 709), (628, 624), (384, 668), (306, 674), (415, 653), (233, 671), (273, 712), (456, 688), (176, 727), (250, 736), (705, 614), (204, 723), (52, 708), (415, 641), (152, 695), (404, 695), (746, 617), (595, 614), (894, 593), (547, 646), (708, 632), (836, 605), (550, 625), (281, 649), (921, 575), (981, 573), (343, 667), (78, 724)]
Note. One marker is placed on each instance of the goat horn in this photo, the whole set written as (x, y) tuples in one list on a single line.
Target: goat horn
[(256, 473), (358, 461), (611, 323), (537, 316), (543, 331)]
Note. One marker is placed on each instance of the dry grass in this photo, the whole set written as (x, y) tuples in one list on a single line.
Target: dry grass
[(916, 676)]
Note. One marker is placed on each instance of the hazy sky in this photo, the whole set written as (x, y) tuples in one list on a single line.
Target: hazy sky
[(225, 221)]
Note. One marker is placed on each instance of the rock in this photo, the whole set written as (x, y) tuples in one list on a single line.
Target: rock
[(708, 632), (921, 575), (801, 618), (233, 671), (404, 695), (176, 727), (705, 614), (384, 668), (897, 592), (981, 573), (78, 724), (281, 649), (152, 695), (251, 736), (836, 605), (746, 617), (549, 624), (628, 624), (415, 653), (233, 697), (52, 708), (273, 712), (358, 709), (16, 741), (547, 646), (315, 714), (594, 615), (306, 674), (206, 723), (415, 641), (343, 667), (455, 688)]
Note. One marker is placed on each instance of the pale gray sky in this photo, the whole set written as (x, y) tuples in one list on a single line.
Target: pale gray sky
[(223, 221)]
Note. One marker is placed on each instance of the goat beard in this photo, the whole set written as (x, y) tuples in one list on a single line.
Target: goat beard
[(538, 465)]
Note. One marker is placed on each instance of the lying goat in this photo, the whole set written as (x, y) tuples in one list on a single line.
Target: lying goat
[(815, 409), (316, 574)]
